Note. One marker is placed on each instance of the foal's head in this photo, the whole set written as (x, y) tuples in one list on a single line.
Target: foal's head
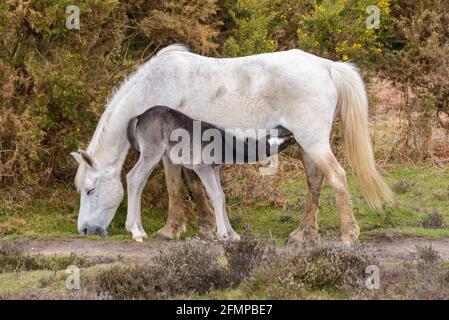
[(101, 193)]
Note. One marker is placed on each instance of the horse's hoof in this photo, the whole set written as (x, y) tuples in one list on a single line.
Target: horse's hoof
[(138, 239), (206, 235), (162, 237), (223, 237), (293, 241)]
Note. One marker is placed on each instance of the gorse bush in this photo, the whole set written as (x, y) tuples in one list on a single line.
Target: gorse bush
[(250, 35), (54, 82), (338, 30), (417, 60)]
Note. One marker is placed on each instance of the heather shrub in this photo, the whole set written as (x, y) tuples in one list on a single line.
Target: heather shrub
[(422, 278), (245, 255), (427, 255), (324, 266), (195, 267)]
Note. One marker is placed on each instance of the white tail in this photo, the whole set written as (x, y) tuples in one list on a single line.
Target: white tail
[(353, 107)]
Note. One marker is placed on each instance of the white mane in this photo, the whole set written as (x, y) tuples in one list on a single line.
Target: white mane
[(120, 106), (121, 93)]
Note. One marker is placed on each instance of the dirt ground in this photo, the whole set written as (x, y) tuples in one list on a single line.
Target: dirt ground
[(391, 249)]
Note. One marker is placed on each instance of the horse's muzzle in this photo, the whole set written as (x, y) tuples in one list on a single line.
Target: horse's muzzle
[(87, 230)]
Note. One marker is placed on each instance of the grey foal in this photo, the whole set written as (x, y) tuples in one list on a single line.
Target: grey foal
[(156, 134)]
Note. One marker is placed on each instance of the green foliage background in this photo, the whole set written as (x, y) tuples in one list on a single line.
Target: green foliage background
[(54, 82)]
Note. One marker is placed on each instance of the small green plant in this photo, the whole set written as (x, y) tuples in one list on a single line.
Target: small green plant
[(433, 220), (402, 186)]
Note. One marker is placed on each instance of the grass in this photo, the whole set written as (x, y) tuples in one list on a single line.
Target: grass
[(20, 282), (55, 212)]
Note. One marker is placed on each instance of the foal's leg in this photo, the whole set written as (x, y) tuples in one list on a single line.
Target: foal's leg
[(206, 221), (136, 180), (308, 228), (176, 220), (216, 196), (231, 233)]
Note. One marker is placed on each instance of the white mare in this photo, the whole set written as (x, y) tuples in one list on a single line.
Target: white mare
[(294, 89)]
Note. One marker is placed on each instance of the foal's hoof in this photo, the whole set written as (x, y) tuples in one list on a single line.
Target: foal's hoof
[(234, 237)]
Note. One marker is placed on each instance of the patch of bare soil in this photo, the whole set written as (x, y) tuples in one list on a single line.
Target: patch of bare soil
[(95, 249), (390, 249), (402, 248)]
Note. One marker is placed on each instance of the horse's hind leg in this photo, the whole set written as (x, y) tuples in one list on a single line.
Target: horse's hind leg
[(206, 222), (136, 180), (324, 159), (176, 220), (308, 228)]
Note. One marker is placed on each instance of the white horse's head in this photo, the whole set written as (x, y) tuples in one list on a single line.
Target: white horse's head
[(101, 193)]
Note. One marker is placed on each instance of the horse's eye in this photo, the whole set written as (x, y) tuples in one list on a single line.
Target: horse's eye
[(89, 192)]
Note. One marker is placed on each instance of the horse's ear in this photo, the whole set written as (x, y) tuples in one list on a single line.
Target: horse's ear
[(82, 156), (77, 157), (87, 158)]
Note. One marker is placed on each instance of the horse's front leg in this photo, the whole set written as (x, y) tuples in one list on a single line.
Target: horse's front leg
[(176, 220), (136, 180)]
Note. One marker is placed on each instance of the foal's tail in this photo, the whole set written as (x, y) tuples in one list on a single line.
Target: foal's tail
[(131, 133), (353, 107)]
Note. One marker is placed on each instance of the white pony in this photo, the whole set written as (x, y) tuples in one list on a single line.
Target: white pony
[(293, 89)]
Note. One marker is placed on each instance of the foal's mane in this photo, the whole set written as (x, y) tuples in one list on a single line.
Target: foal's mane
[(121, 93)]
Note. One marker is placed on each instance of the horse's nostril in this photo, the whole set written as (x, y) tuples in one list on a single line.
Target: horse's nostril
[(100, 232)]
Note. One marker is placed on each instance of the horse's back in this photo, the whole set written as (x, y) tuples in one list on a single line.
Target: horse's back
[(241, 92)]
